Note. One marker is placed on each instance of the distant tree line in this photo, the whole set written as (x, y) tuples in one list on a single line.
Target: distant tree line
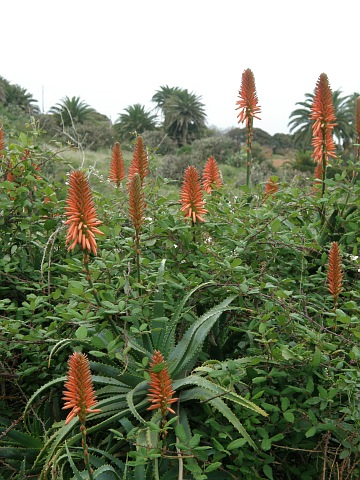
[(178, 115)]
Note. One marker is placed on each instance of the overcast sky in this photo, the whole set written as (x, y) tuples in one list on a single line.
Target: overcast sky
[(114, 53)]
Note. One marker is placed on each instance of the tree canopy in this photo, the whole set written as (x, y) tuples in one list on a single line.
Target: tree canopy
[(301, 124), (134, 120), (73, 110), (12, 95), (183, 112)]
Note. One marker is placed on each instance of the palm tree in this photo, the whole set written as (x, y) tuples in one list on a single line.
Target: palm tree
[(344, 130), (134, 120), (184, 116), (12, 95), (301, 124), (73, 110), (162, 95), (350, 108)]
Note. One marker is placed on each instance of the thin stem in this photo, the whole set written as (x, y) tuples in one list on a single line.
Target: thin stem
[(178, 451), (137, 253), (323, 160), (86, 451), (248, 150)]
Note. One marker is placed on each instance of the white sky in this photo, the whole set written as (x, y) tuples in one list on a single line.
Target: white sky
[(114, 53)]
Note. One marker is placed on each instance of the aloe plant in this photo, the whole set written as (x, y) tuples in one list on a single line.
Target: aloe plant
[(124, 424)]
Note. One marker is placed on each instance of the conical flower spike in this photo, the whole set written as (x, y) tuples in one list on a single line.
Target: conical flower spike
[(322, 111), (79, 393), (334, 276), (211, 175), (248, 106), (160, 387), (117, 168), (271, 187), (248, 101), (82, 222), (136, 202), (139, 162), (191, 196)]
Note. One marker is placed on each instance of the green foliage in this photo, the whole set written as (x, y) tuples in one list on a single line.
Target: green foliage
[(134, 121), (264, 366), (304, 161), (184, 116), (159, 142), (71, 111), (219, 146), (344, 130), (16, 99), (260, 136)]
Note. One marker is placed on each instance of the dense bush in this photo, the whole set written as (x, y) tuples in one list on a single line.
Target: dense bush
[(159, 142), (219, 146), (91, 135), (260, 136), (263, 360)]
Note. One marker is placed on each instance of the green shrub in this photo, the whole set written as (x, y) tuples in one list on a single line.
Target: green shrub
[(218, 146), (239, 305)]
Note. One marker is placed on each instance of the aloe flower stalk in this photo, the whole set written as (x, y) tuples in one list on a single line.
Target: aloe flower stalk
[(249, 109), (191, 196), (334, 275), (82, 221), (318, 177), (139, 162), (117, 167), (211, 177), (160, 386), (271, 187), (323, 114), (136, 211), (79, 395)]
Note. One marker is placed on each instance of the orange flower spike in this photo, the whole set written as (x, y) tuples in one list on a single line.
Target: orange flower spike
[(334, 276), (211, 175), (117, 167), (139, 162), (136, 202), (322, 111), (271, 187), (160, 387), (191, 196), (79, 393), (248, 101), (82, 222)]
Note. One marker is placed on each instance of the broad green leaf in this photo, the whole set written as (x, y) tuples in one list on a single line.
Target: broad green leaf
[(180, 433), (311, 432), (238, 443), (212, 467), (190, 344), (81, 333), (268, 472), (289, 417)]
